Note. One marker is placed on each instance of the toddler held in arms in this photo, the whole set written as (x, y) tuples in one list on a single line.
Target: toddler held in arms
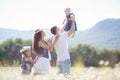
[(69, 21)]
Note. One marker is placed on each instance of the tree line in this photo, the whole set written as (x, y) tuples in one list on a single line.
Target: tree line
[(80, 55)]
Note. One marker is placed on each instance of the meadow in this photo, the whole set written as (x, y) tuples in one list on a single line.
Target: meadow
[(77, 73)]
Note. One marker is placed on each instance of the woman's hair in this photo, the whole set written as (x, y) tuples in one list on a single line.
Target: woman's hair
[(37, 38), (53, 30)]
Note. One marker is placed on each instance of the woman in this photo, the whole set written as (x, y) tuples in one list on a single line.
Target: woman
[(41, 48)]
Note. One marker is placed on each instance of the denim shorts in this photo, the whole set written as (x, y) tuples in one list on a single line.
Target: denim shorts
[(64, 66)]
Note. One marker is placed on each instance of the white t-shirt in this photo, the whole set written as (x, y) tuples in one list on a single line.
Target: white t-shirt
[(61, 47)]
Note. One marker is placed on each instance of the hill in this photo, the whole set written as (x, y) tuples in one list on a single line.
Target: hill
[(104, 34), (13, 34)]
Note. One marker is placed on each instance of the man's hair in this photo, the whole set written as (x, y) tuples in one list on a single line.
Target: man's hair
[(53, 30)]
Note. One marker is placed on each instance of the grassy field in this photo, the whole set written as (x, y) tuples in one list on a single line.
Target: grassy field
[(91, 73)]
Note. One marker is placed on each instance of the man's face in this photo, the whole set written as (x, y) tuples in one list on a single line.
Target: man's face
[(58, 30)]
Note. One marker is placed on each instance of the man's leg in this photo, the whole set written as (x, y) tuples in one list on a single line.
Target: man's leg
[(59, 67), (67, 66)]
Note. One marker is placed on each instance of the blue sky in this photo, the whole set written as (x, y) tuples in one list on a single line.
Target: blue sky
[(33, 14)]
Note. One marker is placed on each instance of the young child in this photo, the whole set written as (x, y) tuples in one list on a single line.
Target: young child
[(27, 61), (69, 21)]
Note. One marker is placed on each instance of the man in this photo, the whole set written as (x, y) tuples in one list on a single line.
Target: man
[(61, 47)]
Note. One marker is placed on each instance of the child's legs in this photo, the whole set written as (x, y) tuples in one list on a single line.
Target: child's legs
[(24, 72), (75, 28), (73, 34), (67, 28)]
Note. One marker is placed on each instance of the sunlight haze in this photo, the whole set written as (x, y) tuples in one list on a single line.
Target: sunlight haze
[(33, 14)]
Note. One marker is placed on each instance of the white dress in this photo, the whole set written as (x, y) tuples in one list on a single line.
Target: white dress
[(42, 66)]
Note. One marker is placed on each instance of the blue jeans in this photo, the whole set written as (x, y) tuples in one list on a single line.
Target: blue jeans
[(64, 66)]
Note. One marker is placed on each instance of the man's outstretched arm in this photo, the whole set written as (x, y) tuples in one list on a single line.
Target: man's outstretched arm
[(72, 30)]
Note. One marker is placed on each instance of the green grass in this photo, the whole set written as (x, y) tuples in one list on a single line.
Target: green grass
[(14, 73)]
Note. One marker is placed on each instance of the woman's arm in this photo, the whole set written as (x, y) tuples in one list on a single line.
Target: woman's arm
[(50, 46), (72, 30), (43, 45)]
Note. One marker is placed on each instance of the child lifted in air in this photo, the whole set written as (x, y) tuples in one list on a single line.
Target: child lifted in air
[(69, 21)]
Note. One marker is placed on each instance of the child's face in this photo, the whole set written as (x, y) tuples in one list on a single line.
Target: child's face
[(67, 11), (27, 53)]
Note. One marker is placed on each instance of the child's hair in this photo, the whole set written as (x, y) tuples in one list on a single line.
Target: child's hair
[(53, 30), (24, 49), (67, 9)]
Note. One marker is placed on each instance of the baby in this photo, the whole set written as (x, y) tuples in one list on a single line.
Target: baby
[(69, 21)]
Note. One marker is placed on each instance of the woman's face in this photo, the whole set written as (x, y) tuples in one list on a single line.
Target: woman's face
[(43, 34)]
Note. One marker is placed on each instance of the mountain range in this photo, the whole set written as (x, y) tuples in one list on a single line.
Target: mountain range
[(104, 34)]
